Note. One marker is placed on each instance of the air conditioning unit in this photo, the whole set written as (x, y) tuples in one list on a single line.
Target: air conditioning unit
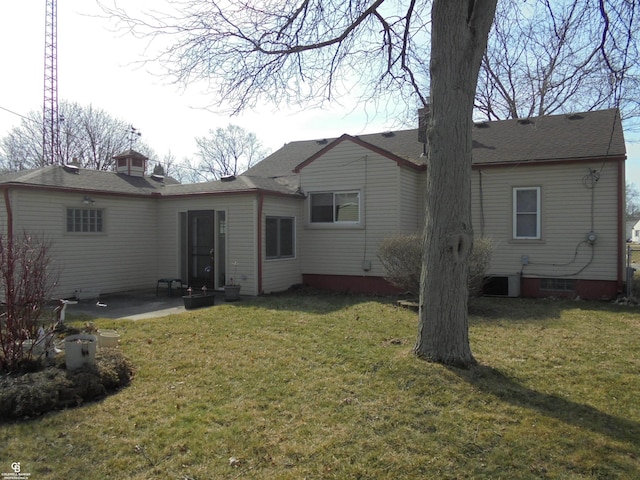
[(502, 285)]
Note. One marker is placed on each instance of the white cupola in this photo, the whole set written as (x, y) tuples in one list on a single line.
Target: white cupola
[(131, 163)]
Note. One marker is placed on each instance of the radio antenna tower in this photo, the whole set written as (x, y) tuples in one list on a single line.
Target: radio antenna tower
[(50, 120)]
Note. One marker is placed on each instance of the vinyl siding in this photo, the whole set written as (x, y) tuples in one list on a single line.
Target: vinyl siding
[(280, 274), (3, 214), (241, 210), (411, 200), (341, 249), (566, 219), (119, 259)]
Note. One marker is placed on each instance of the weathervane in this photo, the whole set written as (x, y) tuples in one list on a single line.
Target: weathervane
[(133, 134)]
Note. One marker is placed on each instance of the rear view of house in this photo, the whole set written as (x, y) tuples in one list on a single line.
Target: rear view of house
[(548, 192)]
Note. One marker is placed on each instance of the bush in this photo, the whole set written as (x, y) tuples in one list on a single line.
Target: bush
[(55, 388), (401, 258), (26, 282)]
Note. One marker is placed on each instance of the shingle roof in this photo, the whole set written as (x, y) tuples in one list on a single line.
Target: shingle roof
[(62, 177), (238, 184), (558, 137)]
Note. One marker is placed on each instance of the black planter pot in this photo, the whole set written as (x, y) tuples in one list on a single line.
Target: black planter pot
[(231, 293), (198, 301)]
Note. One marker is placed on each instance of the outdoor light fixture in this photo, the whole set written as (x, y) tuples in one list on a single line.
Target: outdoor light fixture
[(87, 200)]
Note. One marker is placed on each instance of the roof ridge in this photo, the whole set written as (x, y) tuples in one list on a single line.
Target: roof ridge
[(33, 172)]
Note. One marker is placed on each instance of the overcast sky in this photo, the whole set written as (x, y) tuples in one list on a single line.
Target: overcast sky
[(96, 65)]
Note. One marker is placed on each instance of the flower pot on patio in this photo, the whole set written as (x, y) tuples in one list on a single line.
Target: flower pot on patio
[(198, 301), (231, 293), (80, 350)]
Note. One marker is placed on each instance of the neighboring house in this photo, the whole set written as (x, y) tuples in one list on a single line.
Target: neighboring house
[(634, 236), (548, 192)]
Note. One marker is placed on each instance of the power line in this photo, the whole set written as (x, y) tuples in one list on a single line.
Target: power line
[(17, 114)]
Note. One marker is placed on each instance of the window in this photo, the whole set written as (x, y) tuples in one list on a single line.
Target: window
[(526, 213), (280, 237), (338, 207), (558, 284), (88, 220)]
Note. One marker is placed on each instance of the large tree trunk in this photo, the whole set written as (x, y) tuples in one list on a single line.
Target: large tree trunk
[(458, 40)]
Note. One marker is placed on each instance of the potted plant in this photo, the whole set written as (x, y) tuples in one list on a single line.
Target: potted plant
[(204, 299), (80, 350), (232, 289)]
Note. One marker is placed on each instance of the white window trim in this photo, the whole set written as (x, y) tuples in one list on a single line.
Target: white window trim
[(339, 223), (515, 213)]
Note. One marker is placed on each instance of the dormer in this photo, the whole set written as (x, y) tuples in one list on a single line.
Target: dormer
[(131, 163)]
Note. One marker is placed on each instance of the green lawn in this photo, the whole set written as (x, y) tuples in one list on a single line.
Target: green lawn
[(324, 387)]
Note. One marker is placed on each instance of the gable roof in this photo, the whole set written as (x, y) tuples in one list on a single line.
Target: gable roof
[(416, 163), (402, 144), (589, 135), (585, 135)]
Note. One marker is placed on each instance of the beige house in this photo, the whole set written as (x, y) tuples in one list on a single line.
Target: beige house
[(548, 191)]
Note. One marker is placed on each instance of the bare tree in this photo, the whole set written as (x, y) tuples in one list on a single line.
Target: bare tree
[(632, 201), (21, 148), (303, 51), (291, 52), (88, 134), (171, 167), (228, 151), (458, 40), (549, 57), (27, 278)]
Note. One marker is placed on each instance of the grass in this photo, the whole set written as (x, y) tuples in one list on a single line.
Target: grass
[(294, 387)]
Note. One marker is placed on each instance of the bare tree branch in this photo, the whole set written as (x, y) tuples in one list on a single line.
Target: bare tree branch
[(547, 57), (228, 151)]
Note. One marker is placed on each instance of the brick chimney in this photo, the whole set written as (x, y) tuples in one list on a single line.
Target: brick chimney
[(423, 123)]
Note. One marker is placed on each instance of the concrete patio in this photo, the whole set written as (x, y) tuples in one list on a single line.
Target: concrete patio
[(133, 305)]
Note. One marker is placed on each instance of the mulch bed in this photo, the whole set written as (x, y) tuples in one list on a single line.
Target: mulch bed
[(53, 387)]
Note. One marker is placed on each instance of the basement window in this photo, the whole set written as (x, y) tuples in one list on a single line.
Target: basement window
[(85, 220), (558, 284)]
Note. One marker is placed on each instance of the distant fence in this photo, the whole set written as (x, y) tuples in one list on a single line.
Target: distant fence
[(633, 263)]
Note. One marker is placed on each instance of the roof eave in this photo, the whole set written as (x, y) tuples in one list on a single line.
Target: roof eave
[(511, 163)]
